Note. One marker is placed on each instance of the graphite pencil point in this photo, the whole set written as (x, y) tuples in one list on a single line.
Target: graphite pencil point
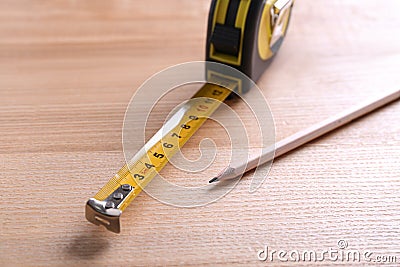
[(215, 179)]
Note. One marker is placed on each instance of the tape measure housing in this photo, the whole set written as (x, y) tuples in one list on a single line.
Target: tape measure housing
[(246, 34)]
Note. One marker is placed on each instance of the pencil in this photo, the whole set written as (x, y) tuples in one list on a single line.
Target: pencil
[(236, 169)]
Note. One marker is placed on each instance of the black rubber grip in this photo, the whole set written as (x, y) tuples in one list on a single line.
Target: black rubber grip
[(226, 39)]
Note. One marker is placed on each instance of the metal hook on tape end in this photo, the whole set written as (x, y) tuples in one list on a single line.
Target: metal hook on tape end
[(97, 213), (106, 212)]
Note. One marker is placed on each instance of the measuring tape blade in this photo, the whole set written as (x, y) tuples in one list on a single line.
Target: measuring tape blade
[(107, 205)]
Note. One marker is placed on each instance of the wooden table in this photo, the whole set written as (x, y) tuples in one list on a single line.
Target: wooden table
[(67, 72)]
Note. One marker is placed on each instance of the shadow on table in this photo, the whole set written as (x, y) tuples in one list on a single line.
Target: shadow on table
[(87, 245)]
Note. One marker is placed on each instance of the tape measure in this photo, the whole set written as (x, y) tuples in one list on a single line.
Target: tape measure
[(244, 34)]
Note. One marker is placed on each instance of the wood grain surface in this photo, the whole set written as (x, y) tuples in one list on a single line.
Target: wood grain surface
[(67, 72)]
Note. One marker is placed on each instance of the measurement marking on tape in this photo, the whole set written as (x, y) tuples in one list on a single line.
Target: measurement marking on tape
[(112, 199)]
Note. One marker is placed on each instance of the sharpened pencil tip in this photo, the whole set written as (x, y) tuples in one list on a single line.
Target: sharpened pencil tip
[(215, 179)]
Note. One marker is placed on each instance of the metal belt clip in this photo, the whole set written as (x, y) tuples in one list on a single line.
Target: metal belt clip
[(279, 12)]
